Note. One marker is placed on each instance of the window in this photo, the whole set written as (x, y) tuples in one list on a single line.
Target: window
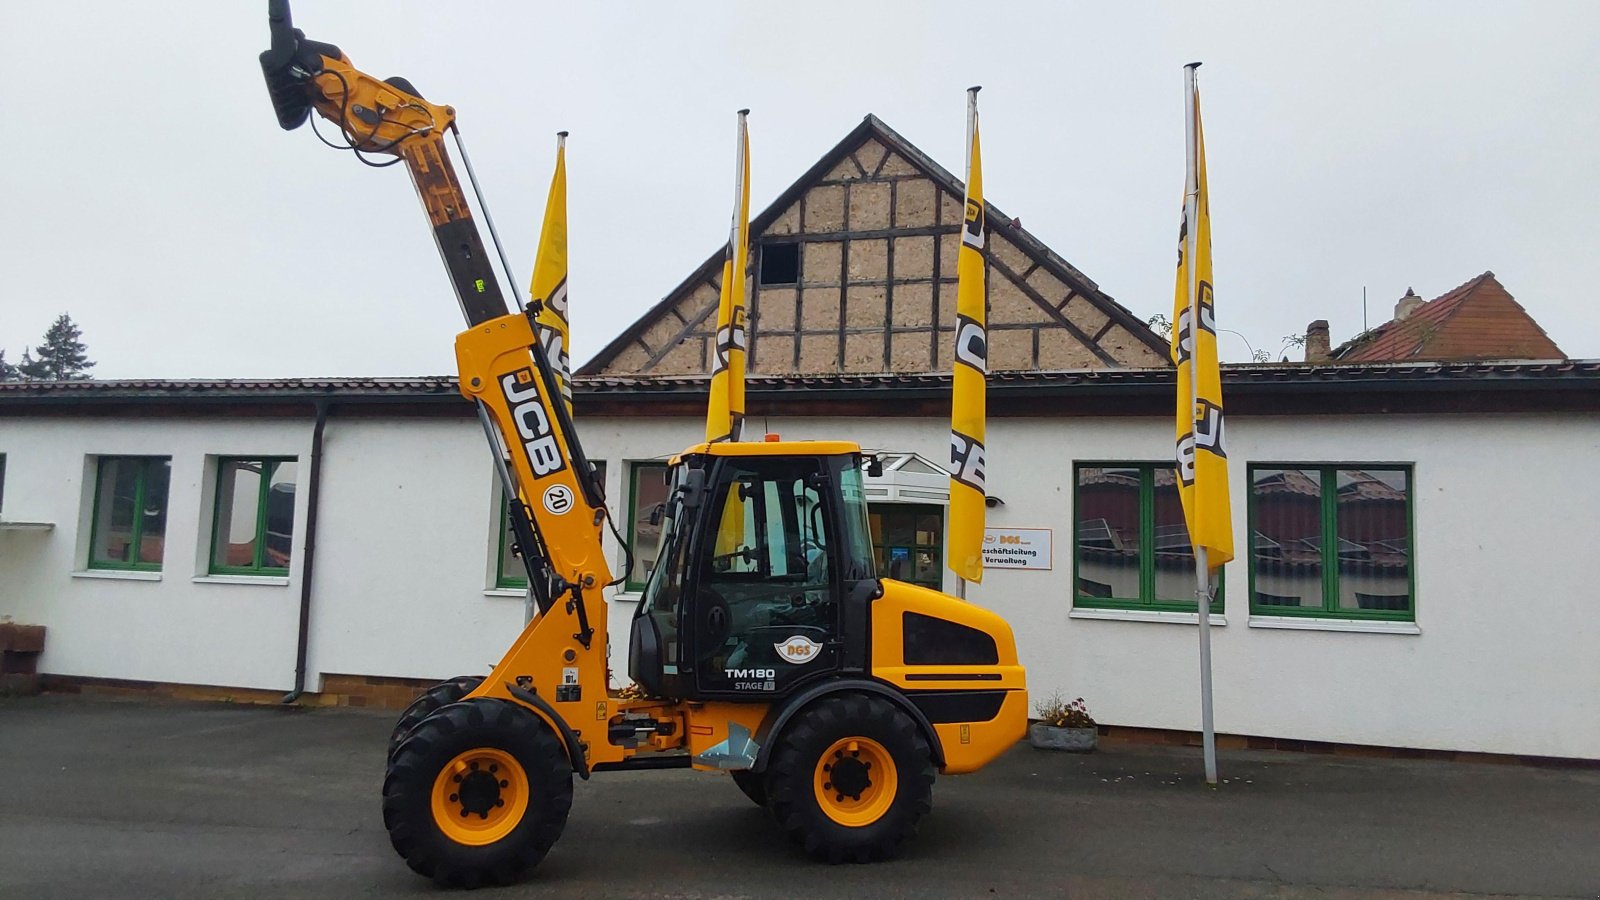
[(254, 524), (909, 542), (1331, 541), (511, 573), (647, 487), (1131, 545), (780, 264), (129, 524)]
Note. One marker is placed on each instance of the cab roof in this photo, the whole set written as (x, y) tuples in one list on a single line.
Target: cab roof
[(773, 448)]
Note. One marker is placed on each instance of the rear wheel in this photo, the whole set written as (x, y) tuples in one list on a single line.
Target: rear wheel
[(850, 779), (754, 785), (477, 794), (442, 694)]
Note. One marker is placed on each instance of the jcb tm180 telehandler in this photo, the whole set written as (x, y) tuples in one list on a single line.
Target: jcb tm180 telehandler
[(766, 645)]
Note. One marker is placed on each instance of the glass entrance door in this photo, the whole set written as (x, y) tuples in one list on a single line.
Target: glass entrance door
[(909, 541)]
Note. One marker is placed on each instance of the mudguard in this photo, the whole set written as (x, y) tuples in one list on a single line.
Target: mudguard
[(780, 715)]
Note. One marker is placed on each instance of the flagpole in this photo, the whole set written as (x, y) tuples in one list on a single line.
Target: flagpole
[(1202, 574), (736, 428)]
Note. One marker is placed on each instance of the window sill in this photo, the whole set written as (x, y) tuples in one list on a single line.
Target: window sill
[(517, 593), (273, 580), (1368, 626), (1144, 615), (628, 597), (118, 574)]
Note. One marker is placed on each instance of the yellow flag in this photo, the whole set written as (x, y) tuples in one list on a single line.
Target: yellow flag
[(967, 464), (725, 415), (1202, 456), (549, 287)]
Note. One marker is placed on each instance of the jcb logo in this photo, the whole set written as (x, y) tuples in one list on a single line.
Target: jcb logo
[(1207, 435), (533, 423), (967, 461), (972, 344), (729, 339), (1208, 323), (972, 230)]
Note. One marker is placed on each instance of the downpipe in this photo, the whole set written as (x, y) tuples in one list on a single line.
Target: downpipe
[(309, 554)]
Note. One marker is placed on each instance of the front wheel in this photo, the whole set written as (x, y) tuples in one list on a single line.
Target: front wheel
[(850, 779), (477, 794)]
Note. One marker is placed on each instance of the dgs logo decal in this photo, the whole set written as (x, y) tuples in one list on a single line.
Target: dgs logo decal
[(798, 649)]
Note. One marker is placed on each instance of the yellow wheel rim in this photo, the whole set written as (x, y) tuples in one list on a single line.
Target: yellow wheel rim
[(855, 781), (480, 796)]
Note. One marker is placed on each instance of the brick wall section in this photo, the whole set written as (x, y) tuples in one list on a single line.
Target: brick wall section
[(361, 691), (1122, 733)]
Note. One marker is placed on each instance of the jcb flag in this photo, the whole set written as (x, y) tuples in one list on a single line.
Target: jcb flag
[(549, 287), (725, 416), (967, 487), (1202, 455)]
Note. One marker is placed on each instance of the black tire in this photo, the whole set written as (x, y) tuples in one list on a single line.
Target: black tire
[(792, 794), (473, 726), (754, 785), (440, 695)]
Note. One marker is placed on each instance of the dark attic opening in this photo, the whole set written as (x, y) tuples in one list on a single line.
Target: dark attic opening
[(780, 263)]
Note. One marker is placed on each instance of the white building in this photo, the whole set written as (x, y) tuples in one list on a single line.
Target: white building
[(1485, 644), (1413, 539)]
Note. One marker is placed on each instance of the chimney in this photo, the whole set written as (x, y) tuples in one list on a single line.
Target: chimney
[(1407, 305), (1318, 348)]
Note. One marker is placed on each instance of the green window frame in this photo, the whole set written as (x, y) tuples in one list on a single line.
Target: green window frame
[(1154, 561), (148, 483), (1343, 560), (636, 575), (509, 573), (260, 563)]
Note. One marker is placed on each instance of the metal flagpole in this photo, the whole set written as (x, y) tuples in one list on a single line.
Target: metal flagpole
[(1202, 574), (736, 428)]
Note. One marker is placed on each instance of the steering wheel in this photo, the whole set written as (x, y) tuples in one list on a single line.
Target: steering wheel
[(713, 622)]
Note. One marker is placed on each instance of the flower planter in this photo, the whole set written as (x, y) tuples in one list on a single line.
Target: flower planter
[(1051, 737)]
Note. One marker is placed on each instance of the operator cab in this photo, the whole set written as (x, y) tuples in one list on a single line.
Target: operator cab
[(764, 572)]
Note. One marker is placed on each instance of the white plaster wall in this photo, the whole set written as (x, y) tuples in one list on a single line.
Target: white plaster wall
[(1507, 525), (407, 538), (217, 631), (1508, 658)]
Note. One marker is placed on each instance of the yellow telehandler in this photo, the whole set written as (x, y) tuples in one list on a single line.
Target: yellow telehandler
[(765, 645)]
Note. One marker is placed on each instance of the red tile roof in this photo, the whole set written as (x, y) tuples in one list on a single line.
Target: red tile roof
[(1478, 320)]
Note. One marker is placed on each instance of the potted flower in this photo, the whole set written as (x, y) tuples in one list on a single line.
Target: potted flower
[(1063, 726)]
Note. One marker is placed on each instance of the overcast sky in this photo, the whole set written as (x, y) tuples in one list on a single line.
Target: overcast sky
[(148, 191)]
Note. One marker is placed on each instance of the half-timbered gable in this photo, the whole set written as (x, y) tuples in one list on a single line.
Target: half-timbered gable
[(853, 270)]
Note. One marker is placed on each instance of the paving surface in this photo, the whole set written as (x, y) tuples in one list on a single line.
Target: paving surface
[(107, 798)]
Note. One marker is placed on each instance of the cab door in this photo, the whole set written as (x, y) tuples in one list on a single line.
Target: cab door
[(766, 596)]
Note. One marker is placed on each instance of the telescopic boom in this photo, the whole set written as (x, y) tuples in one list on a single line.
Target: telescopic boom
[(557, 506)]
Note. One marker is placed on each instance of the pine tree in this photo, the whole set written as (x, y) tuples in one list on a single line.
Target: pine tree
[(8, 372), (62, 357)]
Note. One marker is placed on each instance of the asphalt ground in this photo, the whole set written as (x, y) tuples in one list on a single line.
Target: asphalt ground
[(118, 798)]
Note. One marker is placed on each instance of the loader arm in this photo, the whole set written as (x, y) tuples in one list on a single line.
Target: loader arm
[(556, 505)]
